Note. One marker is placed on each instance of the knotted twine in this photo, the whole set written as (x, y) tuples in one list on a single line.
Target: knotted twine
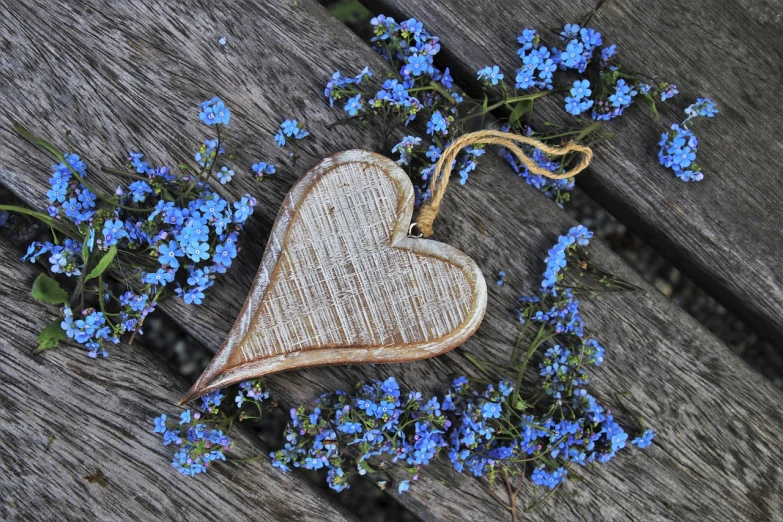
[(444, 166)]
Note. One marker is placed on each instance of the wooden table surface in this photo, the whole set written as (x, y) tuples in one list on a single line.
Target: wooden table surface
[(131, 77)]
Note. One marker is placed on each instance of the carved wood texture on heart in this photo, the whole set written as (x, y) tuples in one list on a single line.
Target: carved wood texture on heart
[(342, 283)]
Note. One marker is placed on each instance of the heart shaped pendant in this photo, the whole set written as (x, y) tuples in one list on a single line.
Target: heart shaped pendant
[(342, 283)]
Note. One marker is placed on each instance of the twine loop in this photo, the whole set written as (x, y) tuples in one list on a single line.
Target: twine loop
[(443, 168)]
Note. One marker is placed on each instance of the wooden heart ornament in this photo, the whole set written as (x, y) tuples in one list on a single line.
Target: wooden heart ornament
[(342, 283)]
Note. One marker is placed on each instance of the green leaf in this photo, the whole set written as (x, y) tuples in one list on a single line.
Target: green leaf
[(650, 102), (50, 336), (366, 467), (103, 264), (47, 290), (587, 130), (85, 250), (486, 102), (520, 110), (46, 218), (45, 145)]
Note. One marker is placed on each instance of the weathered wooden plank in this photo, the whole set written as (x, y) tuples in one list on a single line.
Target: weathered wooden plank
[(723, 232), (686, 383), (100, 417)]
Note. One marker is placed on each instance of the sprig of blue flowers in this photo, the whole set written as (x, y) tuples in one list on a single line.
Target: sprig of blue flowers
[(200, 434), (540, 432), (290, 129), (167, 234), (680, 145), (423, 99)]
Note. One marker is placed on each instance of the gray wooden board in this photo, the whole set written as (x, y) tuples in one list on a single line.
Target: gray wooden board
[(100, 416), (724, 232), (719, 423)]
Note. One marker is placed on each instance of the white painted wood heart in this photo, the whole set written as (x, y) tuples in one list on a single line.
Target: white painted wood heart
[(342, 283)]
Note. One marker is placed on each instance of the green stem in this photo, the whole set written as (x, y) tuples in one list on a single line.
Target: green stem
[(207, 167), (48, 147), (344, 121), (581, 133), (544, 499), (477, 364), (100, 294), (506, 101), (521, 337), (443, 92), (530, 351), (587, 130), (54, 223), (124, 173)]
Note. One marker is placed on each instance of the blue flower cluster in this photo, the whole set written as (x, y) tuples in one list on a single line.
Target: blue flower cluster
[(437, 124), (199, 446), (538, 67), (262, 168), (421, 92), (376, 420), (556, 259), (411, 49), (179, 232), (69, 198), (616, 103), (580, 44), (347, 433), (579, 100), (645, 439), (251, 391), (214, 112), (678, 147), (486, 430), (200, 434), (552, 188), (290, 129), (91, 330), (702, 107), (563, 316), (63, 259), (615, 93), (563, 369), (405, 149), (491, 75)]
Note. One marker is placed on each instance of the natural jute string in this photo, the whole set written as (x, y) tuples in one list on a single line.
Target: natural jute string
[(440, 177)]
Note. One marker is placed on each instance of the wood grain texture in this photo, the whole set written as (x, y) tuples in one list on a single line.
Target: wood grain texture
[(719, 445), (725, 232), (342, 283), (100, 416)]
